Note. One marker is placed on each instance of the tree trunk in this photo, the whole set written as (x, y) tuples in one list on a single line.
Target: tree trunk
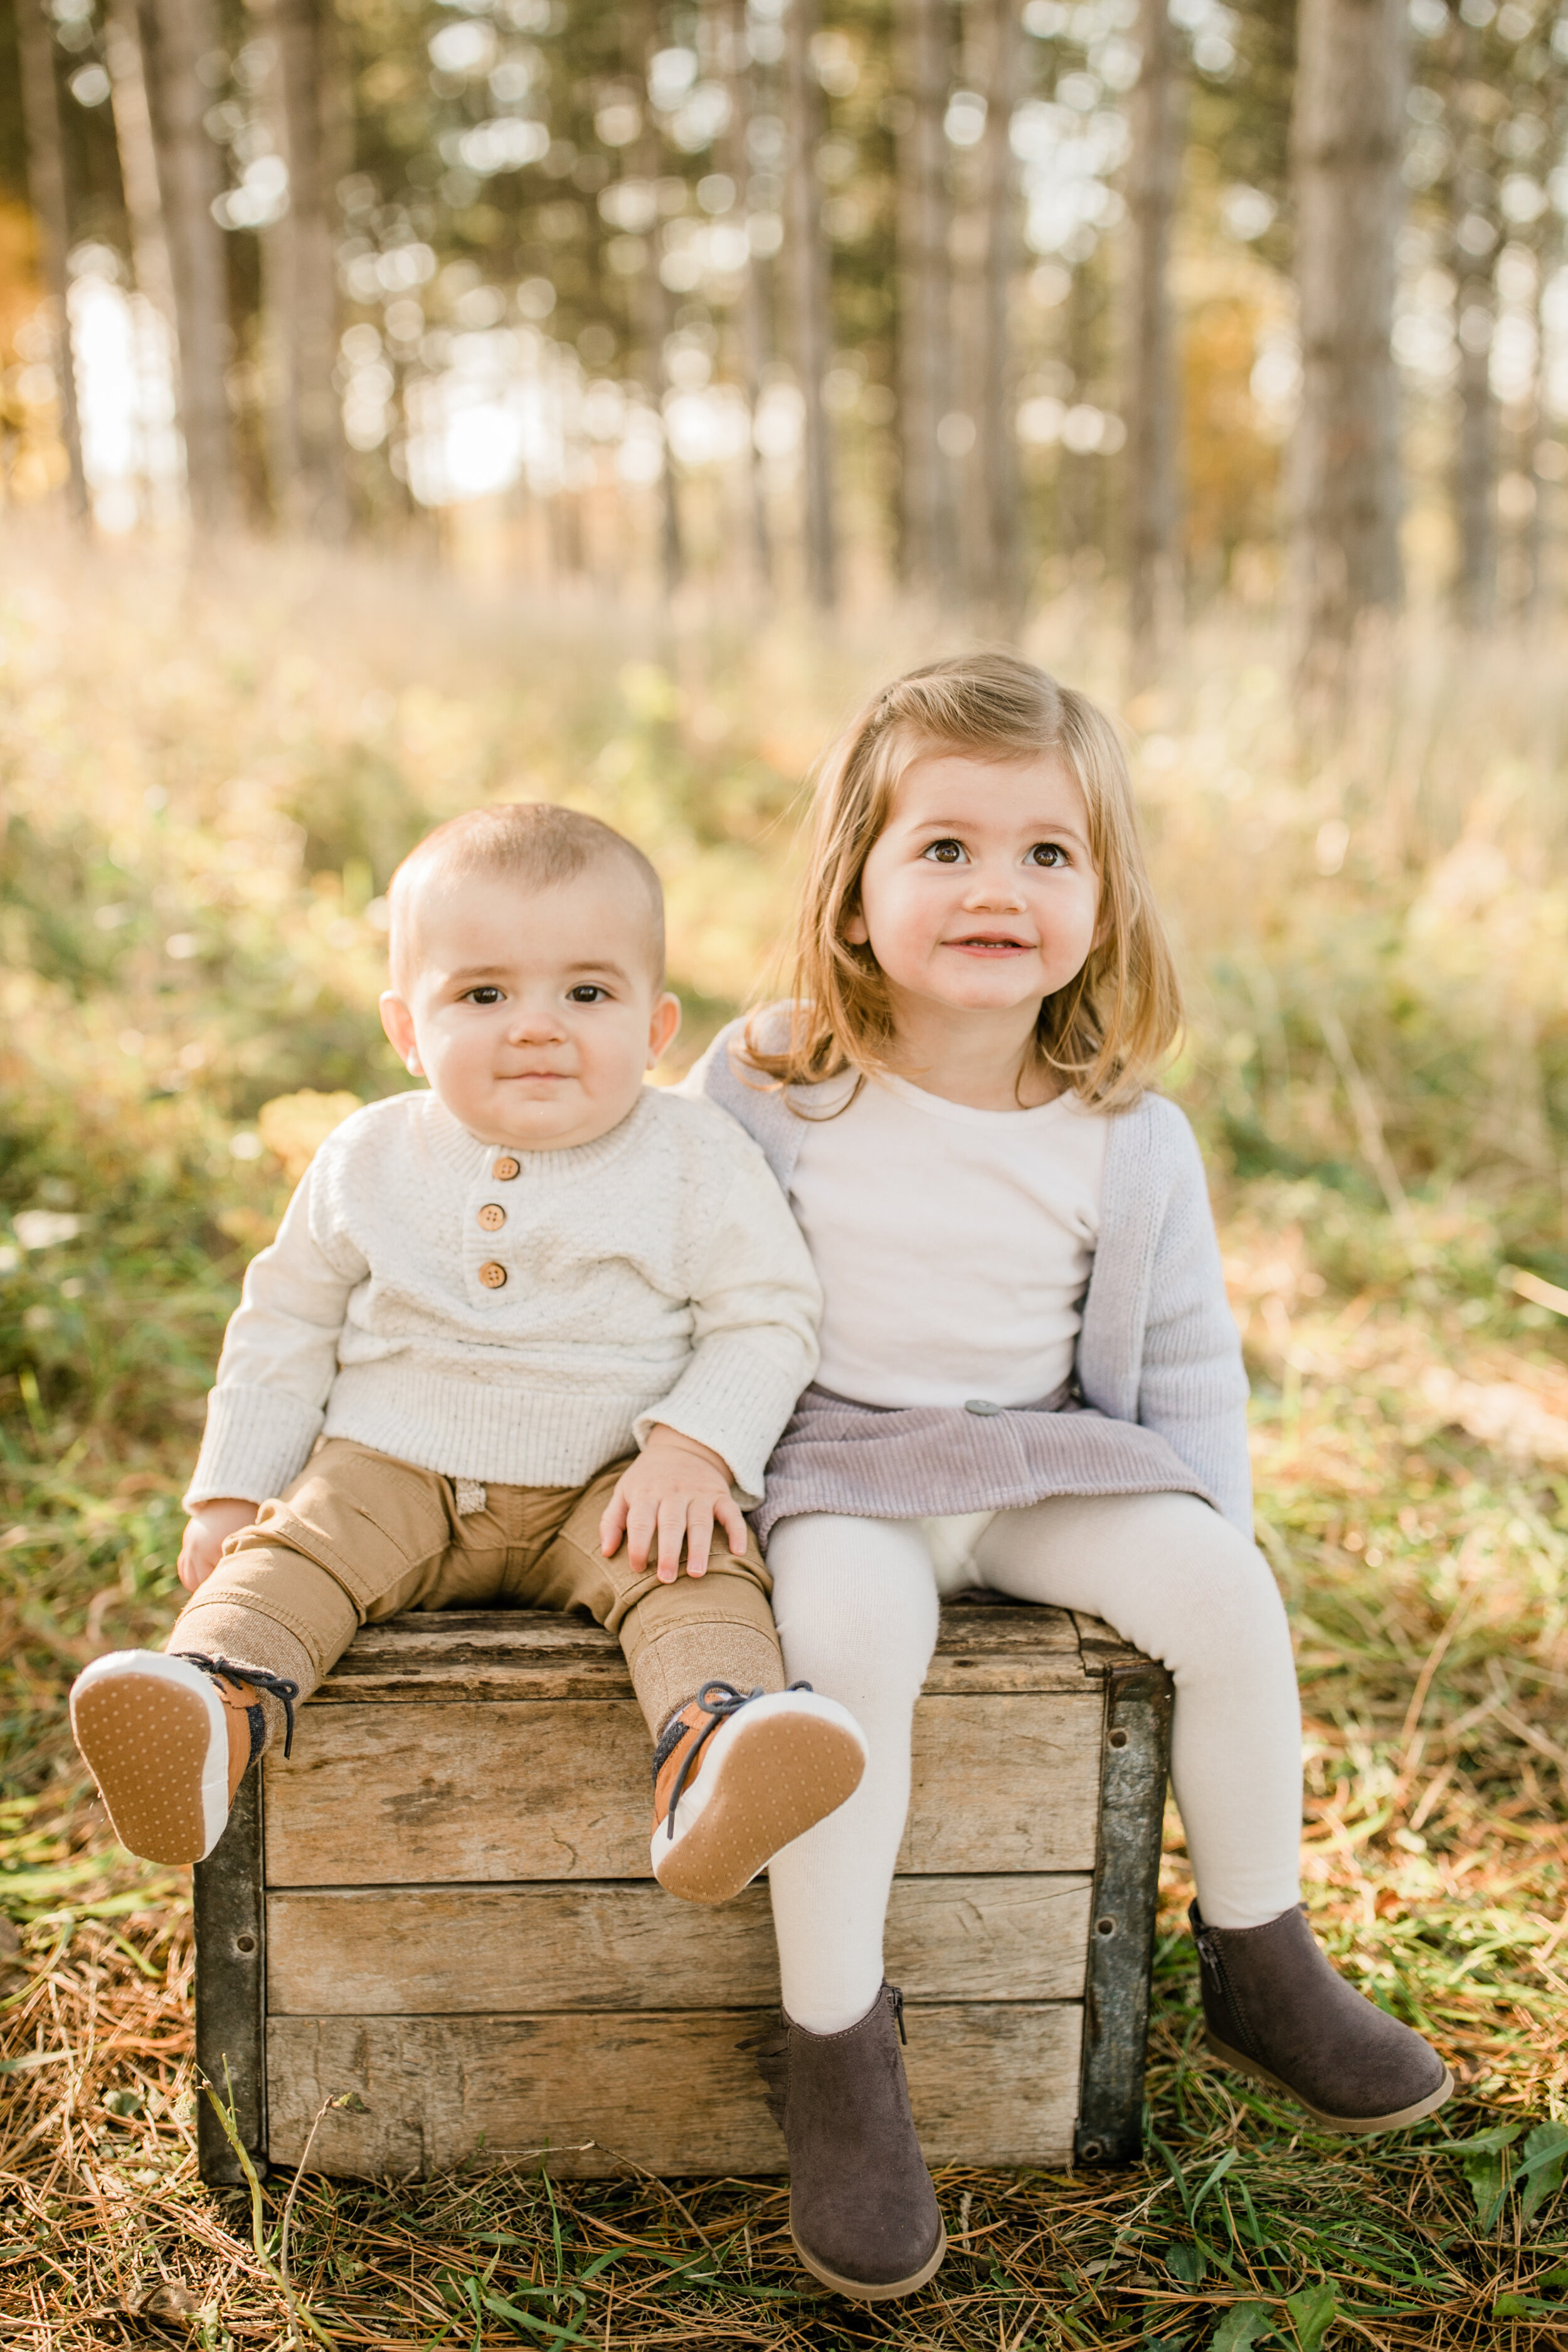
[(998, 449), (1475, 457), (139, 162), (299, 277), (928, 534), (1472, 199), (47, 190), (750, 313), (644, 33), (175, 35), (1153, 397), (1346, 141), (812, 331)]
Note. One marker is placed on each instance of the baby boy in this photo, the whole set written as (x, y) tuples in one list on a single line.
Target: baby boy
[(525, 1337)]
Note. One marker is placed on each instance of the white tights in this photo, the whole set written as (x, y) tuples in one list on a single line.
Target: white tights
[(855, 1601)]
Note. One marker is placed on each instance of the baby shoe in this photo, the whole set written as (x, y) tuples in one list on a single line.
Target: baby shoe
[(735, 1778), (1275, 2009), (168, 1740), (862, 2210)]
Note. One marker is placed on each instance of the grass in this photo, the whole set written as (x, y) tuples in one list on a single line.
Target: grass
[(204, 783)]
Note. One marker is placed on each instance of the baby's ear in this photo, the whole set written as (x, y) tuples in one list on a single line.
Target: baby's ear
[(662, 1027), (398, 1023)]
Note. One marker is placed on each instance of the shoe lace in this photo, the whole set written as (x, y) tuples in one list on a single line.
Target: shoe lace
[(719, 1709), (278, 1686)]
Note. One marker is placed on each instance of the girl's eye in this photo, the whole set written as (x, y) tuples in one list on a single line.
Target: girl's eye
[(485, 995), (587, 991), (946, 853), (1047, 852)]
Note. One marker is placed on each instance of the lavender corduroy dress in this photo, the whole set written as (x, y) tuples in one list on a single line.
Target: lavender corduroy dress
[(1158, 1401)]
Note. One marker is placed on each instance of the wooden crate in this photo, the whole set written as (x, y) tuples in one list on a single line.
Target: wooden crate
[(442, 1903)]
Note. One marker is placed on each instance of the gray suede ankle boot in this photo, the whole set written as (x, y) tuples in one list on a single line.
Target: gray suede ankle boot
[(862, 2210), (1275, 2009)]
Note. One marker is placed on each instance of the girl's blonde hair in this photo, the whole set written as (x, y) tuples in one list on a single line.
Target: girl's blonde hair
[(1108, 1030)]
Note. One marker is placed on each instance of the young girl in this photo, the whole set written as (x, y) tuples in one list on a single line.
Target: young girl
[(1030, 1382)]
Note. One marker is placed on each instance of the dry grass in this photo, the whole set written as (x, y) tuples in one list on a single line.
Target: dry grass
[(1411, 1429)]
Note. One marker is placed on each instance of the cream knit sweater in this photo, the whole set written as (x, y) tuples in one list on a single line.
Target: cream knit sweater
[(653, 1276)]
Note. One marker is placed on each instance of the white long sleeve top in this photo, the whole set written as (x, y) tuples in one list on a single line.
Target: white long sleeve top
[(653, 1276)]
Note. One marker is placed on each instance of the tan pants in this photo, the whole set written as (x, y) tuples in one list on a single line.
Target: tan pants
[(359, 1536)]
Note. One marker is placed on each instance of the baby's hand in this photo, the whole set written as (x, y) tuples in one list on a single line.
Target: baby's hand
[(674, 1489), (207, 1529)]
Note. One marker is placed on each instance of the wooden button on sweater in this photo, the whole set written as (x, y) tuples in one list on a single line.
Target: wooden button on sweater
[(491, 1274), (506, 1167), (492, 1216)]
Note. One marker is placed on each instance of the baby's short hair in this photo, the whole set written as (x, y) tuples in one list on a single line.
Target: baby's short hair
[(535, 843)]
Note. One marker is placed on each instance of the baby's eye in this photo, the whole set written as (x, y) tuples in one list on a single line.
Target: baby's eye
[(1047, 852), (587, 991), (485, 995), (944, 853)]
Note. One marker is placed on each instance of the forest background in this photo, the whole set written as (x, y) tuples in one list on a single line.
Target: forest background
[(406, 404)]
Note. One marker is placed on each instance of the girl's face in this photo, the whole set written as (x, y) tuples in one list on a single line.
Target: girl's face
[(980, 894)]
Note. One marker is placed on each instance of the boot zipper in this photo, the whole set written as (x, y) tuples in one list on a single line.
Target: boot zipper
[(1212, 1958), (898, 2013)]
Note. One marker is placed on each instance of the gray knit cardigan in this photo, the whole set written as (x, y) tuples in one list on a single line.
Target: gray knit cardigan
[(1158, 1347)]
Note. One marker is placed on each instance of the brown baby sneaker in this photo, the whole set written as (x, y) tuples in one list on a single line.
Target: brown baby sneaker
[(736, 1777), (168, 1740)]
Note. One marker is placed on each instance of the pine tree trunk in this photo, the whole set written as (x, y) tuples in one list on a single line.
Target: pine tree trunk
[(998, 450), (812, 331), (139, 163), (47, 190), (928, 532), (1475, 457), (299, 272), (175, 35), (750, 311), (1345, 139), (1152, 398), (1472, 196), (645, 40)]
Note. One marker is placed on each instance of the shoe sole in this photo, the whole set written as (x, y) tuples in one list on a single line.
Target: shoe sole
[(154, 1736), (1358, 2126), (775, 1776), (857, 2291)]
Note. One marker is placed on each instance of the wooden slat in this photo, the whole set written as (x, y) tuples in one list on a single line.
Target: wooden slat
[(990, 2085), (425, 1793), (528, 1653), (1003, 1784), (467, 1950)]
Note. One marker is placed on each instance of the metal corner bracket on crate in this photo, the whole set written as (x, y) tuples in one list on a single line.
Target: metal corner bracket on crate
[(455, 1975), (230, 1917), (1134, 1766)]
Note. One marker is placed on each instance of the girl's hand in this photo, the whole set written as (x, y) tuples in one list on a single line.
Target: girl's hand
[(675, 1490), (207, 1529)]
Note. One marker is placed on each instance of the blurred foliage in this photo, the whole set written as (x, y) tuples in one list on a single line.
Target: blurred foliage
[(208, 780)]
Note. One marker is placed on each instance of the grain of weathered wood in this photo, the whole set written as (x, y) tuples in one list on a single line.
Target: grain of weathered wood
[(530, 1654), (990, 2085), (462, 1832), (424, 1793), (469, 1951), (1003, 1784)]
